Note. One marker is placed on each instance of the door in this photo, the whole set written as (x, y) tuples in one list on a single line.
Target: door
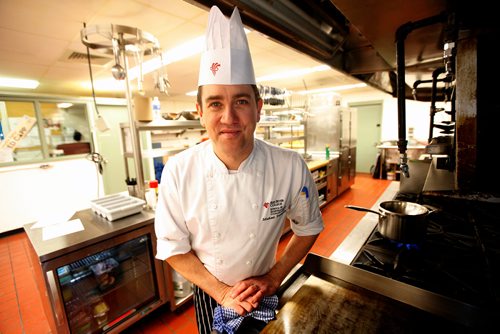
[(369, 119)]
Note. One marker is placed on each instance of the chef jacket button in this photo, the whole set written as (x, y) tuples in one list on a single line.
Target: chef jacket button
[(219, 261), (213, 206), (255, 206), (216, 235), (249, 262), (252, 235)]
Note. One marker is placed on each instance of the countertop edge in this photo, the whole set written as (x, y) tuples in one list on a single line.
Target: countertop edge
[(96, 229), (348, 249)]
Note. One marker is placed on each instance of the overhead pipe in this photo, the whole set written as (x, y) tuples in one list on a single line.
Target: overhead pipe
[(401, 34)]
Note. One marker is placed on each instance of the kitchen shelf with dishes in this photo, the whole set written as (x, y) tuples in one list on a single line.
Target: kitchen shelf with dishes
[(288, 134), (159, 139)]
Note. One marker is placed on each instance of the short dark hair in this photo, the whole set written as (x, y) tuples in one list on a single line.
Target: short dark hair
[(254, 88)]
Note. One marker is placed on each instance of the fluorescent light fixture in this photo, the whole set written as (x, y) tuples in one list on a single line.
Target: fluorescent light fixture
[(18, 83), (183, 51), (283, 75), (293, 74), (64, 105), (331, 89)]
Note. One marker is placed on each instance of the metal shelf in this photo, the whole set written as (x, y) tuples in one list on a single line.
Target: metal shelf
[(284, 139), (157, 125), (165, 125), (156, 152)]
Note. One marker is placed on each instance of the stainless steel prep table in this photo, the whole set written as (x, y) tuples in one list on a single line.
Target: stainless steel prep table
[(325, 296)]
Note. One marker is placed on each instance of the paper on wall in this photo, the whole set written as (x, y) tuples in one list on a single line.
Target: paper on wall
[(19, 133)]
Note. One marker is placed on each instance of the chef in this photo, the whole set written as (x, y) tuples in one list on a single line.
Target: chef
[(223, 203)]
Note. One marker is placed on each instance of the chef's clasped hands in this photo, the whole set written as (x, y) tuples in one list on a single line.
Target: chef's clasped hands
[(245, 296)]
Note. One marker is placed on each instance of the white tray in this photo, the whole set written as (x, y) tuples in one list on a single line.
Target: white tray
[(116, 206)]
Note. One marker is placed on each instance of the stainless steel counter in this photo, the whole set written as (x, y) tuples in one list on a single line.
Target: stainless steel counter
[(348, 249), (96, 229), (325, 296)]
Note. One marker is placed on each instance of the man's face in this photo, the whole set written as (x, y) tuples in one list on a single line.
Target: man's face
[(230, 114)]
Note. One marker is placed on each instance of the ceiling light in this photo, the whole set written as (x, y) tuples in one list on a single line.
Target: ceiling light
[(293, 74), (64, 105), (331, 89), (283, 75), (183, 51), (18, 83)]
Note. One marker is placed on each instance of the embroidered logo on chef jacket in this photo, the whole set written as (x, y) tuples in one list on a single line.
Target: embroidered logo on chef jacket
[(305, 191), (275, 208)]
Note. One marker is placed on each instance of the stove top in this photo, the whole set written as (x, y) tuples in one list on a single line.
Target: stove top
[(459, 258)]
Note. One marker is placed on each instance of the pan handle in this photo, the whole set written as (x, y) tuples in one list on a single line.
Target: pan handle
[(359, 208)]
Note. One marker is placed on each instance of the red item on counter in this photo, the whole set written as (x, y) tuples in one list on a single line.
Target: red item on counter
[(153, 184)]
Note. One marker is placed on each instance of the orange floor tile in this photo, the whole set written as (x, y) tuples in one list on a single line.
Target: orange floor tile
[(21, 309)]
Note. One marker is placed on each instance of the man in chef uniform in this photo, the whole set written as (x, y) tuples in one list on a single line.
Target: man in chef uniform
[(223, 203)]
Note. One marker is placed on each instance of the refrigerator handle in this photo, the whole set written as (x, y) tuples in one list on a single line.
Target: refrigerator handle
[(339, 172), (54, 296)]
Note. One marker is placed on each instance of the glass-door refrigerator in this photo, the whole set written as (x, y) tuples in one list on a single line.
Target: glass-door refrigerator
[(104, 286)]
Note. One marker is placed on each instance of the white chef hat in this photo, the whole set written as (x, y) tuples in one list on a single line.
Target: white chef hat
[(225, 59)]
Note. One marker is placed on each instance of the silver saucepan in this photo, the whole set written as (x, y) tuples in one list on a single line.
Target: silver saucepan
[(399, 220)]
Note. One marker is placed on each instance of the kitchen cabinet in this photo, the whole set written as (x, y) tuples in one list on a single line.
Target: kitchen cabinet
[(325, 175), (100, 279)]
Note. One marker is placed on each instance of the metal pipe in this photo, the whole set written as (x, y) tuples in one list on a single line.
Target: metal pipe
[(401, 34), (134, 136)]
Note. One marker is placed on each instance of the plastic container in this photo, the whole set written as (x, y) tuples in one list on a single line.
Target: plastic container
[(156, 109), (143, 108), (117, 206), (153, 184), (151, 199)]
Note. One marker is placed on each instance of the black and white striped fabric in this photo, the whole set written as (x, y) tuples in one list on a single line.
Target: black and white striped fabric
[(204, 306)]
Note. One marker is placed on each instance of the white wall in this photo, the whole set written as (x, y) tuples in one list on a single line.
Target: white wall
[(30, 192), (417, 115)]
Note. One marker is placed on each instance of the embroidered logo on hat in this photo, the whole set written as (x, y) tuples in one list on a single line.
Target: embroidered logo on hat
[(214, 68), (226, 58)]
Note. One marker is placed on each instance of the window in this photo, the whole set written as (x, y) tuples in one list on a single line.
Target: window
[(33, 130)]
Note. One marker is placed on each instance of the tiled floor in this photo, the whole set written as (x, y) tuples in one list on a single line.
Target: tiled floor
[(21, 307)]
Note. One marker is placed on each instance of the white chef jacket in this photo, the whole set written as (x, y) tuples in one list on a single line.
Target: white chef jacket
[(233, 220)]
